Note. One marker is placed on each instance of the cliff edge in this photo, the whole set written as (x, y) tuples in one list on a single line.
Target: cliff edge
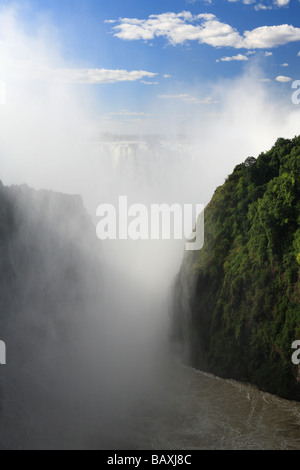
[(237, 301)]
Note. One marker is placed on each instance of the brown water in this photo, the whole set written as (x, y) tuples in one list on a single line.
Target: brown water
[(189, 410), (200, 411)]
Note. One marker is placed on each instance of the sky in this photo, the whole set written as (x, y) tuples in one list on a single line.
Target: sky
[(138, 59)]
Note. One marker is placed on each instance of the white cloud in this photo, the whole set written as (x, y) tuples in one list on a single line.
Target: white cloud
[(145, 82), (125, 112), (270, 36), (25, 70), (178, 28), (283, 79), (238, 57), (205, 28), (262, 5), (97, 76), (186, 98), (285, 64), (176, 97), (282, 3)]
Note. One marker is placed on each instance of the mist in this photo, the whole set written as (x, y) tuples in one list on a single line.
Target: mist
[(112, 358)]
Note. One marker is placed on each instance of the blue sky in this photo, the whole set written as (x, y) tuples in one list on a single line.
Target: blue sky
[(133, 53)]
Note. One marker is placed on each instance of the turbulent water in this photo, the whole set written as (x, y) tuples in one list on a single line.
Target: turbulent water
[(192, 411), (200, 411)]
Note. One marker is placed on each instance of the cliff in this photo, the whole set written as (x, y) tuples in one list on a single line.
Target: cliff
[(46, 241), (50, 290), (237, 301)]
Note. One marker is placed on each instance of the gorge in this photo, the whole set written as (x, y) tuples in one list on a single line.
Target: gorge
[(89, 361)]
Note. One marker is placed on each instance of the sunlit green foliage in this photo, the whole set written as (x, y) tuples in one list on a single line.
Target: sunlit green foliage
[(240, 295)]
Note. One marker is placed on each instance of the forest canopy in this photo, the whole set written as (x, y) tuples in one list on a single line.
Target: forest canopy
[(237, 301)]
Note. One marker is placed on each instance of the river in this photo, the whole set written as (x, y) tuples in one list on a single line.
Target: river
[(198, 411)]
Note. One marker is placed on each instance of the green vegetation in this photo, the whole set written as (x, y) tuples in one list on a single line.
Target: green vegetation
[(237, 302)]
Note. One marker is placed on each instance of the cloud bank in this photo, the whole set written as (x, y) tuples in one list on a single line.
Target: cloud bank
[(205, 28)]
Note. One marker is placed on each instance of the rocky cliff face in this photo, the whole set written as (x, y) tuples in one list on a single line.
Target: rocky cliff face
[(46, 243), (237, 301), (50, 289)]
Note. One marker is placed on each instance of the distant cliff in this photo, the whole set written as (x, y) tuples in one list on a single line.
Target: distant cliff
[(45, 251), (237, 301), (50, 289)]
